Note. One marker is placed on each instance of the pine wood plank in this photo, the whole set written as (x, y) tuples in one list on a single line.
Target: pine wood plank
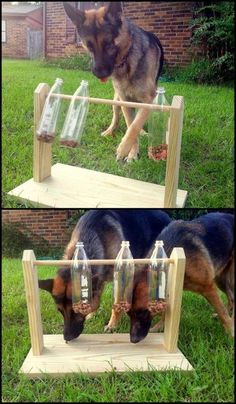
[(33, 301), (75, 187), (100, 353)]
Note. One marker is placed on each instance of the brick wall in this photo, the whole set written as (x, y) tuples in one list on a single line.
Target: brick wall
[(16, 38), (168, 20), (16, 33), (53, 226)]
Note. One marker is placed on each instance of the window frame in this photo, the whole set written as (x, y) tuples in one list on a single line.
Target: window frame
[(4, 31)]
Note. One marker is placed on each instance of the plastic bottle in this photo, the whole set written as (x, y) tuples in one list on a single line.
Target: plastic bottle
[(47, 124), (157, 279), (81, 278), (123, 279), (158, 129), (76, 117)]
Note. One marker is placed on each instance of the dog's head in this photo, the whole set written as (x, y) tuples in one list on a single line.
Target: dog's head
[(98, 30), (140, 316), (60, 289)]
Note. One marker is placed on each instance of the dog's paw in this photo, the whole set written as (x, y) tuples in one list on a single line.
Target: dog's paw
[(109, 329), (108, 132), (143, 132), (133, 154), (124, 148)]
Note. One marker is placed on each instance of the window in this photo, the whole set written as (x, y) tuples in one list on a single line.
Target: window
[(3, 31)]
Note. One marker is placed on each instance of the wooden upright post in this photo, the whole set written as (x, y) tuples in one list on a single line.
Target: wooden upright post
[(174, 298), (173, 153), (42, 151), (33, 302)]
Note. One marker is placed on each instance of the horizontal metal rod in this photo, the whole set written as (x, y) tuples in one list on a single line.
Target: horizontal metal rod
[(140, 261), (115, 102)]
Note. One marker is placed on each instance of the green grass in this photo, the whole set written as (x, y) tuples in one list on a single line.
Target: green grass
[(202, 340), (206, 169)]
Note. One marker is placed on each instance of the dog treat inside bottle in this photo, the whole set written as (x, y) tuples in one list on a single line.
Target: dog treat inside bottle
[(158, 130), (123, 279), (81, 278), (47, 124), (157, 280), (76, 117)]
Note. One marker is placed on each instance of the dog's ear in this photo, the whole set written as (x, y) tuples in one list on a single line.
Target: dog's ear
[(46, 284), (114, 10), (76, 16)]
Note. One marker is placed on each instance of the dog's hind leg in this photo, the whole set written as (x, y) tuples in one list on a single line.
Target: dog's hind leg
[(211, 294), (115, 119), (110, 327)]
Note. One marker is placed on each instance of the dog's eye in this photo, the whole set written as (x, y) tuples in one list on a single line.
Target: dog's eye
[(107, 46), (90, 46)]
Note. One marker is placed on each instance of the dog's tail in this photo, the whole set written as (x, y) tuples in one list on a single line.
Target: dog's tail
[(155, 41)]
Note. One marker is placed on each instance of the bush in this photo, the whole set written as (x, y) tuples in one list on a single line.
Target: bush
[(15, 239), (213, 31), (75, 62)]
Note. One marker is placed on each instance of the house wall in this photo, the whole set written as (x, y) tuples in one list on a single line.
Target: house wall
[(54, 226), (16, 33), (168, 20), (16, 38)]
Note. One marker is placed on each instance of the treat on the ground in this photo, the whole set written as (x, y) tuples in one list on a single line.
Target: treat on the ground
[(158, 152)]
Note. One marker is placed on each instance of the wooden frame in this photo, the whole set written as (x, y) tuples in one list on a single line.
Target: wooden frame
[(103, 352), (60, 185)]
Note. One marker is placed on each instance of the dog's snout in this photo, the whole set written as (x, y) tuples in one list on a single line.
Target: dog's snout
[(101, 72), (135, 338)]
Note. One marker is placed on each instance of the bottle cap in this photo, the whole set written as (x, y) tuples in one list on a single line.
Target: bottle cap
[(79, 244), (159, 243), (125, 244), (59, 81), (84, 82), (161, 90)]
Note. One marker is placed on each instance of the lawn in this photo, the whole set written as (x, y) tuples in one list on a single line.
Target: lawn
[(206, 169), (202, 340)]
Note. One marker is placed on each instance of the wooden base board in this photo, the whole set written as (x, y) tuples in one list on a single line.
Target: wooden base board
[(75, 187), (98, 353)]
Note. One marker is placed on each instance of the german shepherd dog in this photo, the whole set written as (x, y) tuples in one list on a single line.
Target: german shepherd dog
[(102, 231), (132, 57), (208, 243)]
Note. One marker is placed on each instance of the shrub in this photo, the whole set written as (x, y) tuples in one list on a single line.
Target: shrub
[(15, 239), (213, 31)]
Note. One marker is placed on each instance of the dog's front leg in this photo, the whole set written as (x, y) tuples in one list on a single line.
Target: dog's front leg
[(129, 144), (115, 316), (115, 118)]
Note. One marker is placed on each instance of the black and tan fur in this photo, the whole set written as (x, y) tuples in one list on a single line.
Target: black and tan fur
[(132, 57), (102, 232), (208, 243)]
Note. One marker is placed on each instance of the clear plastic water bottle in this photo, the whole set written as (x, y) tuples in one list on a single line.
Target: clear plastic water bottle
[(123, 279), (157, 279), (47, 124), (76, 117), (81, 277), (158, 128)]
